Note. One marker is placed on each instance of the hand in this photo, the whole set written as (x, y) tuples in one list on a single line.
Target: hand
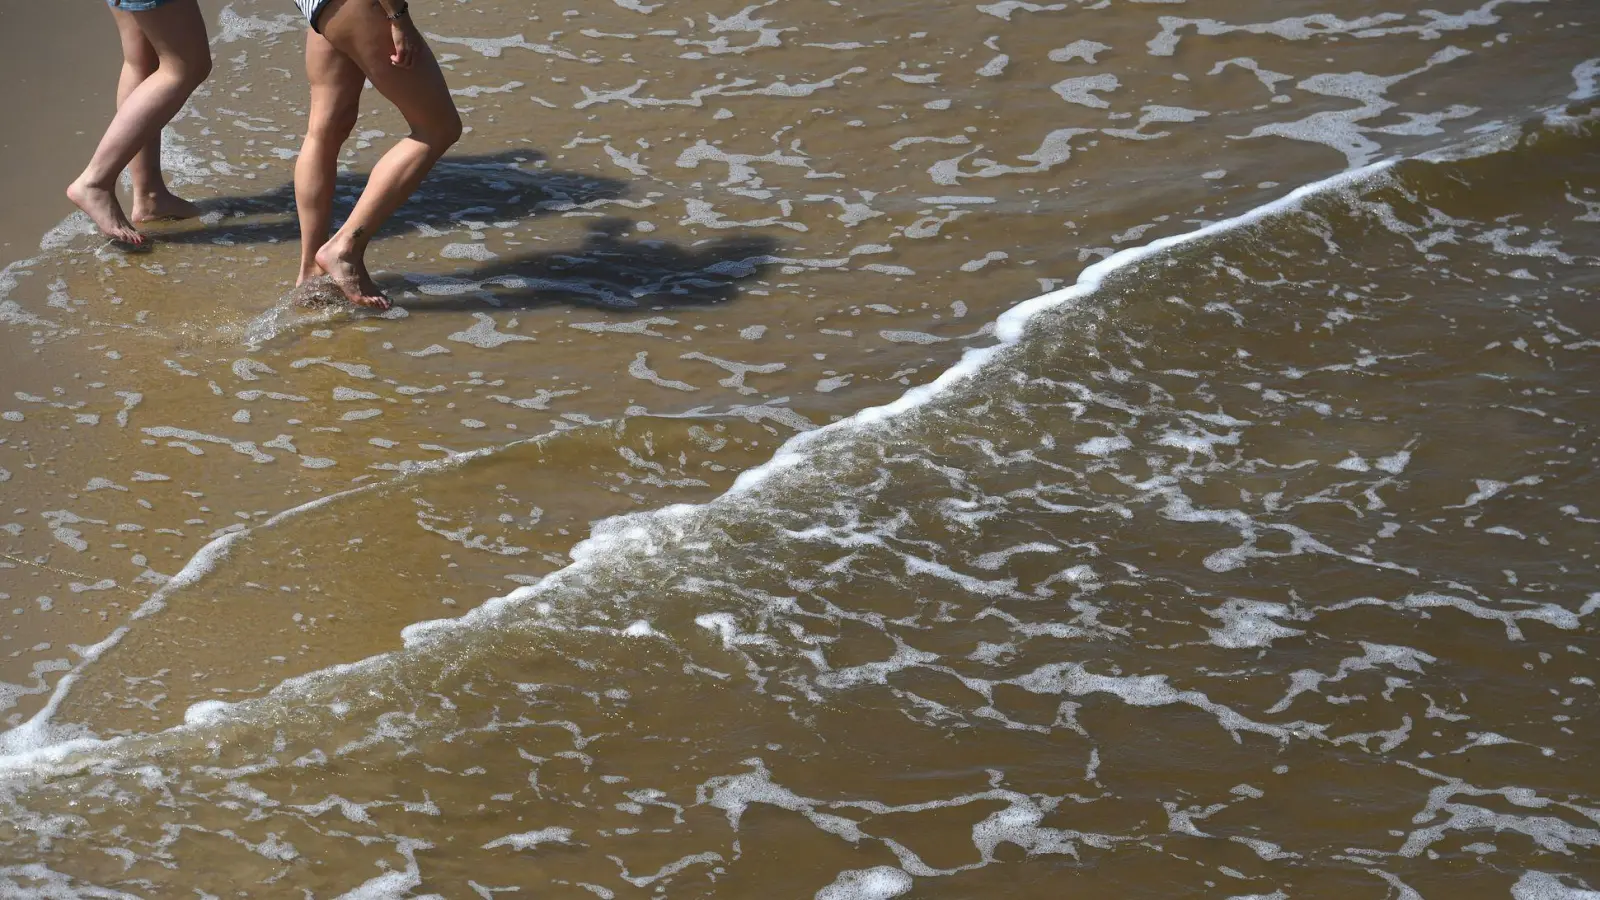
[(406, 42)]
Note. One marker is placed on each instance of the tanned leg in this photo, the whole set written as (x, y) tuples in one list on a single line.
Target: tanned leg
[(359, 30), (336, 85)]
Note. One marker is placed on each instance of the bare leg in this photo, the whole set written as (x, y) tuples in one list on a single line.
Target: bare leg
[(359, 30), (152, 199), (336, 85), (177, 33)]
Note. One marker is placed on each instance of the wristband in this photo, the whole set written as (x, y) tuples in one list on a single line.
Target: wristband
[(398, 14)]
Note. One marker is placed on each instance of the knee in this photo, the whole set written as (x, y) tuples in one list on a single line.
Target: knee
[(444, 134), (191, 72), (142, 62), (200, 69), (334, 126), (453, 134)]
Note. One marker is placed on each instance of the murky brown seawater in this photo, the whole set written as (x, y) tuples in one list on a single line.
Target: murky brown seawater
[(1260, 564)]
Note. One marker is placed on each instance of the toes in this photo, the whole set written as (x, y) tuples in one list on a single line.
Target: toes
[(359, 296), (124, 232)]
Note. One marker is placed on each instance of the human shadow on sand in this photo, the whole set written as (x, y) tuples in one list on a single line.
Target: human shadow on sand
[(484, 187), (606, 271), (613, 268)]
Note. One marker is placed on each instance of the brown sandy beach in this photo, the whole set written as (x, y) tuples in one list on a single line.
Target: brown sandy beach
[(54, 112), (1262, 567)]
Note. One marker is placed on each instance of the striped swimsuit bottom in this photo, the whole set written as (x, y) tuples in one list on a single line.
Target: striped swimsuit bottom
[(311, 8)]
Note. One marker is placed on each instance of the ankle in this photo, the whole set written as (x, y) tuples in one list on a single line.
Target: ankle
[(340, 245), (85, 183), (352, 240)]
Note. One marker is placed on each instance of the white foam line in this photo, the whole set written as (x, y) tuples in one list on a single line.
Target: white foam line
[(30, 739), (33, 736), (610, 535), (28, 744), (1011, 325), (206, 559), (1587, 76), (8, 281)]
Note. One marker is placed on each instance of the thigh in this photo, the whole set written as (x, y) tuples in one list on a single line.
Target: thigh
[(177, 32), (359, 30), (136, 50), (336, 85)]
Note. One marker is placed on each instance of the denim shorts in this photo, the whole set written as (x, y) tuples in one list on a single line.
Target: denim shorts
[(136, 5)]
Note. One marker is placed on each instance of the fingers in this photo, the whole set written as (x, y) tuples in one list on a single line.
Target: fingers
[(404, 49)]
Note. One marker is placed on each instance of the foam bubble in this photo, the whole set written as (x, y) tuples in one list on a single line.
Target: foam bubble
[(206, 712), (1545, 886), (1249, 623), (528, 840), (485, 335), (1083, 89), (1587, 76), (1104, 446), (877, 883), (476, 252), (1085, 50)]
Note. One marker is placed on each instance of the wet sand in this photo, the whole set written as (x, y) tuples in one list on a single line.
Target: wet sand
[(54, 113), (1213, 579)]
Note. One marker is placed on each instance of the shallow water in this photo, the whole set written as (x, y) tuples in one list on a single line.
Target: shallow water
[(934, 451)]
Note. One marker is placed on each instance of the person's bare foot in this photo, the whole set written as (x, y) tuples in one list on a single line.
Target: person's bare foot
[(348, 271), (315, 292), (163, 205), (101, 205)]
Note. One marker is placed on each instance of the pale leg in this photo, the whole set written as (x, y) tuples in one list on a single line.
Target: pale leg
[(177, 33), (152, 199)]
